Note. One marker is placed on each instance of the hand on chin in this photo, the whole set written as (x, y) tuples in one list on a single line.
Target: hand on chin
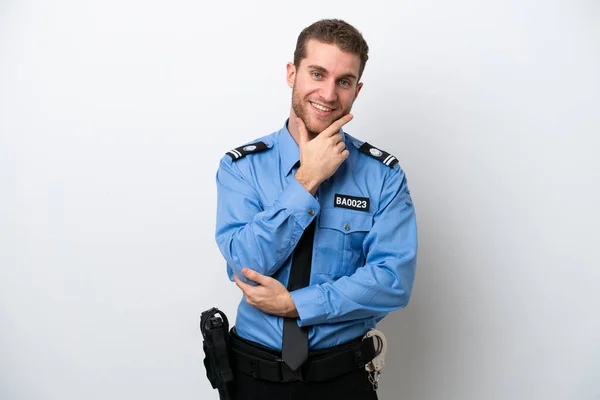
[(318, 124)]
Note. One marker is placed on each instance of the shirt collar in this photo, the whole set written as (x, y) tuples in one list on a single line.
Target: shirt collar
[(289, 151)]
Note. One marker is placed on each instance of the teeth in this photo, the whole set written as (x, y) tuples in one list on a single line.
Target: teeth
[(320, 107)]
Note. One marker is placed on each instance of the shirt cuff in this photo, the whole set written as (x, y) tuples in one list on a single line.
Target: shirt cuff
[(310, 304), (299, 202)]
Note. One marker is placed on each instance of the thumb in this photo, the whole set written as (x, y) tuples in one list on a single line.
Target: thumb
[(253, 275), (302, 131)]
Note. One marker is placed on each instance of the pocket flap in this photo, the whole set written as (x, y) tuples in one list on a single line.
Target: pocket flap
[(345, 221)]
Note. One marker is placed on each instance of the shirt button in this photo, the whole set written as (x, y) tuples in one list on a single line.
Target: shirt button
[(311, 212), (347, 227)]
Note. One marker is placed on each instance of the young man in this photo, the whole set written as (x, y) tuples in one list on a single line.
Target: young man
[(318, 231)]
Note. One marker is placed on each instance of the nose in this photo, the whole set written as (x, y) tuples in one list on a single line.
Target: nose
[(328, 91)]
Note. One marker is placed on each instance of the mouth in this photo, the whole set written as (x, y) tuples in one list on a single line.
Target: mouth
[(320, 107)]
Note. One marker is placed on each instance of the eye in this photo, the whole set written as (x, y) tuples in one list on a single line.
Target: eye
[(344, 82), (317, 75)]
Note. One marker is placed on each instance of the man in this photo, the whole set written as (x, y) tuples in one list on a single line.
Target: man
[(318, 231)]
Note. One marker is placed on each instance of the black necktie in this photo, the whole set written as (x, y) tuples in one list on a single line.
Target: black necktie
[(294, 350)]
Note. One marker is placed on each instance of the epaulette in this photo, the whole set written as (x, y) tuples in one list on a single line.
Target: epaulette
[(242, 151), (377, 154)]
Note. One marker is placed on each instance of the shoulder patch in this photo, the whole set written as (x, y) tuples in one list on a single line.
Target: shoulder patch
[(243, 151), (378, 154)]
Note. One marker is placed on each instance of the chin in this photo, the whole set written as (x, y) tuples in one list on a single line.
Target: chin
[(319, 124)]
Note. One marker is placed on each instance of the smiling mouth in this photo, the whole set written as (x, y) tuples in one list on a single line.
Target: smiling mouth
[(320, 107)]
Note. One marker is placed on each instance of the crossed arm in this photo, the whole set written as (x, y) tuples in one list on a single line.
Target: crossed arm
[(381, 285), (269, 295), (265, 237)]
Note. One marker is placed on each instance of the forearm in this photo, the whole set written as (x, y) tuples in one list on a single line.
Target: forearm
[(262, 239), (372, 290), (263, 244)]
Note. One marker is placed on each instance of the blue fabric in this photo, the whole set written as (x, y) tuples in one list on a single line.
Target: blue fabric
[(363, 261)]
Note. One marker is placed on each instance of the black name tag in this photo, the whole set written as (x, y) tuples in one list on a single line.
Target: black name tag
[(351, 202)]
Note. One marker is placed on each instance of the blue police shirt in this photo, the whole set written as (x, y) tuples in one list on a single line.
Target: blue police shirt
[(364, 255)]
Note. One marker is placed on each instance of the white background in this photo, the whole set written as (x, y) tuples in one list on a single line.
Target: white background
[(114, 114)]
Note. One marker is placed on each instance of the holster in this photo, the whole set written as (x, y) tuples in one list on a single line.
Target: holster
[(215, 331)]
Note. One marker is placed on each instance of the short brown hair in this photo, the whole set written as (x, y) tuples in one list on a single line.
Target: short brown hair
[(337, 32)]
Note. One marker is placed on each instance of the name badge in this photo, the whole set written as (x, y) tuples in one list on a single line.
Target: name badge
[(351, 202)]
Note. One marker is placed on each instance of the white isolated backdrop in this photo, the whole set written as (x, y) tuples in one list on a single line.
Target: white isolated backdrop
[(113, 116)]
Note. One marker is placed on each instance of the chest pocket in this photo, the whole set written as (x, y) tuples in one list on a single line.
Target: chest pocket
[(338, 241)]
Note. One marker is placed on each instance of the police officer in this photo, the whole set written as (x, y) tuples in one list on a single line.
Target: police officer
[(318, 230)]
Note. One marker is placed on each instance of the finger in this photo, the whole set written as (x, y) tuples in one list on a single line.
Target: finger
[(304, 138), (340, 147), (237, 281), (337, 138), (242, 285), (254, 276), (335, 127), (345, 154)]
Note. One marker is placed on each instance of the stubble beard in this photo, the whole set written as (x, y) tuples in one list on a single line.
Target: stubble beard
[(300, 113)]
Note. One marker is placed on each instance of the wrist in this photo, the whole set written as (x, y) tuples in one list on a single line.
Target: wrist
[(310, 184), (291, 311)]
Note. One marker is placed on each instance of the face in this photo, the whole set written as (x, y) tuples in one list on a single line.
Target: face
[(324, 85)]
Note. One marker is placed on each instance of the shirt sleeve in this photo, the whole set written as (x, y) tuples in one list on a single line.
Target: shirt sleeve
[(250, 234), (385, 282)]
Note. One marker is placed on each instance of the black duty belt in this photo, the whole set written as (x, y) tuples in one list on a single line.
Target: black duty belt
[(265, 363)]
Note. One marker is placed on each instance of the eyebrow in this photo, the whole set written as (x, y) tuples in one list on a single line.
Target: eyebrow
[(323, 70)]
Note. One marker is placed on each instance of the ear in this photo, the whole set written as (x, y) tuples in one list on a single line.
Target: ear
[(291, 74), (358, 87)]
